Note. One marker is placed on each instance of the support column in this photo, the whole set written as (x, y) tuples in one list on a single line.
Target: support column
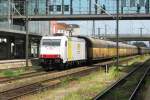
[(117, 33), (147, 7), (30, 43), (38, 48), (71, 8), (24, 48), (96, 6), (27, 34), (46, 7), (8, 48), (36, 9), (90, 6), (62, 7)]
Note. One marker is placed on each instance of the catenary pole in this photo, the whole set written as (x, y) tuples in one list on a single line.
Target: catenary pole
[(117, 33), (27, 33), (105, 31)]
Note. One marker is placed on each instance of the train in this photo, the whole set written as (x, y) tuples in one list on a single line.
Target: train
[(58, 52)]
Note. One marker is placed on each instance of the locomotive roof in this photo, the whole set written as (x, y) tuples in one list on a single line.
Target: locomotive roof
[(92, 42)]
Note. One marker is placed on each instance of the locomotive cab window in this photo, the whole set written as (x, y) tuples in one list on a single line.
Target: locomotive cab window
[(51, 42)]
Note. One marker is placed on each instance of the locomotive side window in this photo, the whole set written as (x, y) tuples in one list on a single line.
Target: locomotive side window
[(51, 42), (65, 43)]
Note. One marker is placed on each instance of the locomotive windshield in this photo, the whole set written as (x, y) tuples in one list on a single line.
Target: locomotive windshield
[(51, 42)]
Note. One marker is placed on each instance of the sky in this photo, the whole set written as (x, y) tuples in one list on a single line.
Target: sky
[(125, 26)]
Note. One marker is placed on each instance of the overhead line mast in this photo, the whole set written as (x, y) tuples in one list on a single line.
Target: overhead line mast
[(27, 33), (117, 34)]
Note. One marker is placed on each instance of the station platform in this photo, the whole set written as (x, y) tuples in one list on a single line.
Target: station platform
[(17, 63)]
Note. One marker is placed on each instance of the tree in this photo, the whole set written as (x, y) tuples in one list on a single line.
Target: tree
[(140, 44)]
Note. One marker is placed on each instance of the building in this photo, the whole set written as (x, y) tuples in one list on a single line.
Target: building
[(61, 28), (75, 29), (66, 29), (12, 33)]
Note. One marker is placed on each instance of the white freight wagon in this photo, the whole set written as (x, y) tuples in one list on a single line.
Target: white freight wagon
[(62, 50)]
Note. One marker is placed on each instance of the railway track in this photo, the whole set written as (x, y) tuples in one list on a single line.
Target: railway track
[(127, 87), (136, 92), (22, 76), (43, 81), (41, 72), (38, 86)]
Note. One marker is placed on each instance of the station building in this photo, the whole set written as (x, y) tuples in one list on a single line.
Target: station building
[(12, 34)]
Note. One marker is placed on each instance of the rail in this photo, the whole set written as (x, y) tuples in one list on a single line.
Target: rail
[(108, 90), (141, 82)]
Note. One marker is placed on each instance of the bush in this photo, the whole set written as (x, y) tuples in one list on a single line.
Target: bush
[(115, 72)]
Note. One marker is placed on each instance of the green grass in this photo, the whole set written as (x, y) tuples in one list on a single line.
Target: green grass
[(12, 73), (65, 81), (76, 96), (95, 84), (114, 72)]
